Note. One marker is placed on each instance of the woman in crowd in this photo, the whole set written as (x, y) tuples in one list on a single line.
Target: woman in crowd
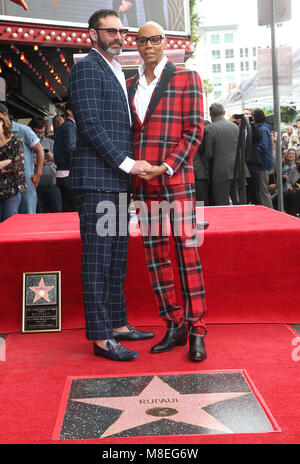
[(294, 143), (289, 162), (12, 174), (292, 196)]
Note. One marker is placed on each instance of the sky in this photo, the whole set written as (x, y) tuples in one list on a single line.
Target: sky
[(244, 13)]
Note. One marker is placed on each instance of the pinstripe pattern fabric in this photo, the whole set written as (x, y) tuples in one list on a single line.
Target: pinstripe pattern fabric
[(157, 247), (104, 261), (173, 131)]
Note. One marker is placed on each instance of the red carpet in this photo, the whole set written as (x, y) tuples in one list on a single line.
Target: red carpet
[(251, 266), (37, 366), (248, 257)]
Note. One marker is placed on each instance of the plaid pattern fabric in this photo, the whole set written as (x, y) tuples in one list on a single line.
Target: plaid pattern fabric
[(104, 136), (182, 221), (171, 133), (174, 128), (104, 261)]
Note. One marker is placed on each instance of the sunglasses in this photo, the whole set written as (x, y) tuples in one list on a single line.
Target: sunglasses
[(154, 39), (112, 32)]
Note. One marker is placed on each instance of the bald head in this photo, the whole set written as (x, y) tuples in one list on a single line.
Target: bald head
[(150, 28), (151, 44)]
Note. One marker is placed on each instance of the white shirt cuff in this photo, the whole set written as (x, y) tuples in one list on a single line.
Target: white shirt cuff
[(127, 165), (169, 170)]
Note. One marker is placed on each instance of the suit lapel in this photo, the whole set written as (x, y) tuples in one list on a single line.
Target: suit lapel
[(131, 93), (160, 89), (158, 93), (107, 69)]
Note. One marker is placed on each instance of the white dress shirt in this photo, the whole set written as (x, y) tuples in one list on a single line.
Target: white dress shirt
[(144, 94), (144, 91), (128, 163)]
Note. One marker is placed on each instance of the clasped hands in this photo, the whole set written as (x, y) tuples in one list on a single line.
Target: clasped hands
[(146, 171)]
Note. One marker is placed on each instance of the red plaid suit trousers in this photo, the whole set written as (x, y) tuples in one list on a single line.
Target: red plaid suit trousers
[(161, 211)]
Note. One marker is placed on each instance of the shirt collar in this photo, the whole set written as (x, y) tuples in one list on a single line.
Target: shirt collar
[(157, 71), (114, 64)]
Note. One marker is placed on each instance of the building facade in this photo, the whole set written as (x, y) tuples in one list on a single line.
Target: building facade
[(227, 53)]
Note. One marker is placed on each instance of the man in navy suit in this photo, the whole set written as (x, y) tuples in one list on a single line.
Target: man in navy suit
[(100, 177), (64, 146)]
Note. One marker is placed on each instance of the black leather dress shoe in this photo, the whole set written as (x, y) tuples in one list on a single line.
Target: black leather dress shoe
[(133, 334), (115, 352), (175, 336), (197, 348)]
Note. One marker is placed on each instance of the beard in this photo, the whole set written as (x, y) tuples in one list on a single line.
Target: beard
[(107, 47)]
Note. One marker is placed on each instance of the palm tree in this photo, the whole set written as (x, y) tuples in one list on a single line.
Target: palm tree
[(207, 88)]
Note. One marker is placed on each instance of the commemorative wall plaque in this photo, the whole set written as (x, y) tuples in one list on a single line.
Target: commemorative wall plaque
[(41, 302)]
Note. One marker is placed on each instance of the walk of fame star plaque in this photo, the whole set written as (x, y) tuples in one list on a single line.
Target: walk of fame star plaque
[(188, 404), (41, 302)]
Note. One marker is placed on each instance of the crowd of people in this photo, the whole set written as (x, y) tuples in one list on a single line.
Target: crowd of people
[(290, 171), (47, 159), (38, 182), (214, 163)]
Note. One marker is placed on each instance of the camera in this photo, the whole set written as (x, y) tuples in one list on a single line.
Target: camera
[(240, 116)]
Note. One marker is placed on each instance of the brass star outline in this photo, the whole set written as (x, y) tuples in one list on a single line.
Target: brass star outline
[(136, 410), (41, 291)]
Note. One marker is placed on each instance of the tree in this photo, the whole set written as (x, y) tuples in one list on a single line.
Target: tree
[(288, 113), (207, 88), (195, 21)]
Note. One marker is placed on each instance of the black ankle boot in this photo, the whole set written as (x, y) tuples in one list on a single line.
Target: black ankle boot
[(175, 336), (197, 350)]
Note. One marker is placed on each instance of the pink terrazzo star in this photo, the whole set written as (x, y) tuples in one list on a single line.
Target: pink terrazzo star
[(41, 291), (159, 400)]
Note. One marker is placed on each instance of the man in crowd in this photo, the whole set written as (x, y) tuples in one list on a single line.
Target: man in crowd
[(168, 126), (202, 171), (220, 149), (262, 145), (64, 147), (57, 121), (99, 176)]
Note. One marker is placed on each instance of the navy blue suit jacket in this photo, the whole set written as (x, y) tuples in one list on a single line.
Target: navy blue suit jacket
[(64, 145), (104, 136)]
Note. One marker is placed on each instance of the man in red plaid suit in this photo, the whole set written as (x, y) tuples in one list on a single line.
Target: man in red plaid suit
[(167, 107)]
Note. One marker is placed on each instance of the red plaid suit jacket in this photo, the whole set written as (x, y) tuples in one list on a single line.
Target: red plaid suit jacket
[(173, 127)]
